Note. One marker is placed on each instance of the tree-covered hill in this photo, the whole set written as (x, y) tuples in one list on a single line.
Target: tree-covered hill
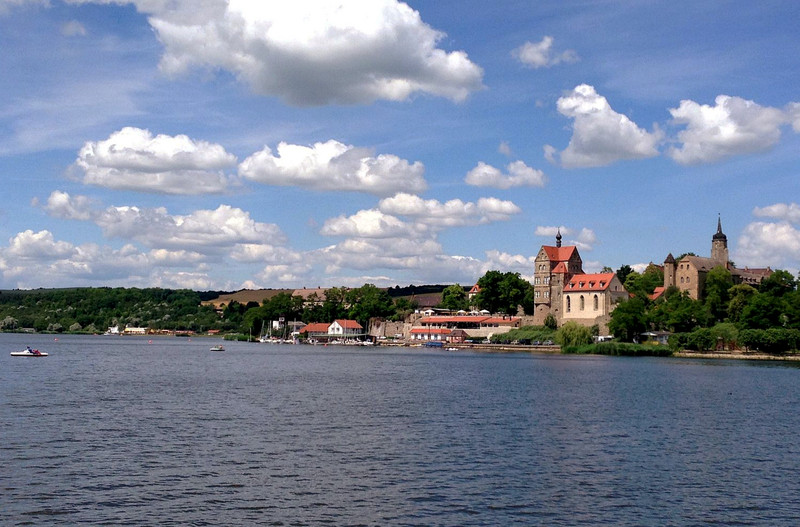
[(95, 309)]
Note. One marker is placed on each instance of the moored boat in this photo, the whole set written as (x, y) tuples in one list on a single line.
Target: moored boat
[(28, 353)]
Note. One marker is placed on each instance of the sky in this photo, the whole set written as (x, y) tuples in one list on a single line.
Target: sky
[(221, 145)]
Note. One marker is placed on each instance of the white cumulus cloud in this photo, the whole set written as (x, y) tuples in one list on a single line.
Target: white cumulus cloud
[(334, 166), (452, 213), (601, 136), (519, 175), (540, 54), (313, 52), (369, 224), (732, 126), (207, 230), (783, 211), (134, 159)]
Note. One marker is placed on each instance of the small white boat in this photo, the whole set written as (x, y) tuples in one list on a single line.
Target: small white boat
[(218, 347), (28, 353)]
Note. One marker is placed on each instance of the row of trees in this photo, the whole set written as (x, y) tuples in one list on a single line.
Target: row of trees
[(732, 314)]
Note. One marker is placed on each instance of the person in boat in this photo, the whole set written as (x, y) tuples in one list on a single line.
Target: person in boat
[(29, 350)]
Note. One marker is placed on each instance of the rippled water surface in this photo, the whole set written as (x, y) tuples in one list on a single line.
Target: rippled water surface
[(129, 431)]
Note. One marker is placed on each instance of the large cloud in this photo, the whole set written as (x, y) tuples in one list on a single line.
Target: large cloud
[(370, 224), (775, 244), (452, 213), (210, 230), (732, 126), (601, 136), (334, 166), (540, 54), (133, 159), (519, 175), (313, 52)]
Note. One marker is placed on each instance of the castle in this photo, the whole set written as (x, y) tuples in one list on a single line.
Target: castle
[(689, 273)]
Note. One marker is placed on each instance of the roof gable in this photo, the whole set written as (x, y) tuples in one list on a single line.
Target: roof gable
[(590, 282)]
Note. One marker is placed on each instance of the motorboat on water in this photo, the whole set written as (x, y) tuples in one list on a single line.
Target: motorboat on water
[(28, 353), (218, 347)]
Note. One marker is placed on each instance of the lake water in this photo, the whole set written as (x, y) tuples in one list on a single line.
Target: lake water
[(133, 431)]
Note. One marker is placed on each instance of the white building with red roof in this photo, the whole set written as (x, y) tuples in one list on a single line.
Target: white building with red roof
[(589, 299)]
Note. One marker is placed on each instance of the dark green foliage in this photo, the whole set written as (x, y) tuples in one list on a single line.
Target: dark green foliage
[(368, 302), (454, 298), (502, 292), (624, 349), (573, 334), (95, 309), (623, 272), (716, 292), (773, 340), (526, 335), (629, 319)]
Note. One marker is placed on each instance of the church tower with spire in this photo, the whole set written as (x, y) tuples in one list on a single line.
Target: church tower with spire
[(553, 268), (719, 246)]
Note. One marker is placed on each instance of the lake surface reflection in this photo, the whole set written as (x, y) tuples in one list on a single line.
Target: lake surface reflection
[(128, 430)]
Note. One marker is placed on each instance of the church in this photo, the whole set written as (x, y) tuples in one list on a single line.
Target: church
[(562, 289), (689, 273)]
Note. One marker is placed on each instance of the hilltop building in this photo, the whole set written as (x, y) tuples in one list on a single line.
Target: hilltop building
[(689, 273)]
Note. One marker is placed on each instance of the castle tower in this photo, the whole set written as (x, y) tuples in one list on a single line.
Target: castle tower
[(669, 271), (719, 246)]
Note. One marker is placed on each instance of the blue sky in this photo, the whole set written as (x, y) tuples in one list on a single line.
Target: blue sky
[(222, 145)]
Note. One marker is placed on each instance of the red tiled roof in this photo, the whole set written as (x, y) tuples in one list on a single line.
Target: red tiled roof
[(589, 282), (316, 327), (560, 268), (657, 292), (559, 254), (349, 324)]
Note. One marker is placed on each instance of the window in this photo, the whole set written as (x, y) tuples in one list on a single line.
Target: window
[(596, 302), (569, 304), (582, 303)]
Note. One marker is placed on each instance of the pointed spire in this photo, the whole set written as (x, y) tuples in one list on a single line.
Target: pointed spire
[(720, 235), (558, 237)]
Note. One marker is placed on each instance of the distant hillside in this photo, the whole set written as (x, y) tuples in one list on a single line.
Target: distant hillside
[(246, 295)]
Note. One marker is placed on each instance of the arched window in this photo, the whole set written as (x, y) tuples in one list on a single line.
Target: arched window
[(569, 304), (596, 302), (582, 303)]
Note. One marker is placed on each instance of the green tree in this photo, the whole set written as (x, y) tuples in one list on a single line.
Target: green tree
[(623, 272), (778, 284), (502, 292), (573, 334), (740, 296), (367, 302), (629, 319), (716, 292), (454, 298)]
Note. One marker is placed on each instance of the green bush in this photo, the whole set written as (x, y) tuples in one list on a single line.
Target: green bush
[(622, 349)]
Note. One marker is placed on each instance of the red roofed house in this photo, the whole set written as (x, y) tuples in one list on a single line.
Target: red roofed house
[(554, 266), (316, 330), (589, 299), (345, 328)]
